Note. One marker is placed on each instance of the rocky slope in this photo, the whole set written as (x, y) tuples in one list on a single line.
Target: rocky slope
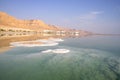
[(9, 21)]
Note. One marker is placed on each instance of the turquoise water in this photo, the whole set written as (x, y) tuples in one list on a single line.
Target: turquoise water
[(90, 58)]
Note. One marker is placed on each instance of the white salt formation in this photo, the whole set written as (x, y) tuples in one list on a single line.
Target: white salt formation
[(47, 51), (61, 51), (56, 51), (42, 42)]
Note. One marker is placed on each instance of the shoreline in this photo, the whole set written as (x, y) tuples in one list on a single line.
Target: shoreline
[(4, 49)]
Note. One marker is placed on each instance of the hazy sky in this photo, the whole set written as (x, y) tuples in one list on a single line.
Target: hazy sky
[(101, 16)]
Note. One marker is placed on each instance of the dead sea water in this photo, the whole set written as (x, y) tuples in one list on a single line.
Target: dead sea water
[(89, 58)]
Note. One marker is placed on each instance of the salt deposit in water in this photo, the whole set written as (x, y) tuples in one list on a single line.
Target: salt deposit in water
[(33, 44), (42, 42), (47, 51), (61, 51), (56, 51)]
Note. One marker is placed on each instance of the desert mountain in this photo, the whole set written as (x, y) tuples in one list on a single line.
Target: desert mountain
[(9, 21)]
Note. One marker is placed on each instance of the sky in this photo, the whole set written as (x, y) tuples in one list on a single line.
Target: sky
[(100, 16)]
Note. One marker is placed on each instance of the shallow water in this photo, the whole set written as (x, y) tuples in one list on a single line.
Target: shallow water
[(90, 58)]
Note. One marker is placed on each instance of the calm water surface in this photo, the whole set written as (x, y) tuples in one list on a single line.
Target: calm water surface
[(90, 58)]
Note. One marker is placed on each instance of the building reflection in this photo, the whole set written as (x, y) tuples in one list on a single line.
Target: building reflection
[(8, 35)]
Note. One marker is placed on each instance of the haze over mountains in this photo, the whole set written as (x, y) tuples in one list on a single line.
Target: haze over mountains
[(9, 22)]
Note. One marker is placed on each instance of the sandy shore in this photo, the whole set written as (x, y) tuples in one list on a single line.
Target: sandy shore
[(3, 49)]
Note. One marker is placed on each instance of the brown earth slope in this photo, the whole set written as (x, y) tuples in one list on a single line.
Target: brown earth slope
[(9, 21)]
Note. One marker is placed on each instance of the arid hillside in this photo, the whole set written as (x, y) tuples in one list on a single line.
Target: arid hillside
[(12, 25), (11, 22)]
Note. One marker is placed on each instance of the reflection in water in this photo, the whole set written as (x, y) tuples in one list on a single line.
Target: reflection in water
[(83, 57), (7, 38)]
